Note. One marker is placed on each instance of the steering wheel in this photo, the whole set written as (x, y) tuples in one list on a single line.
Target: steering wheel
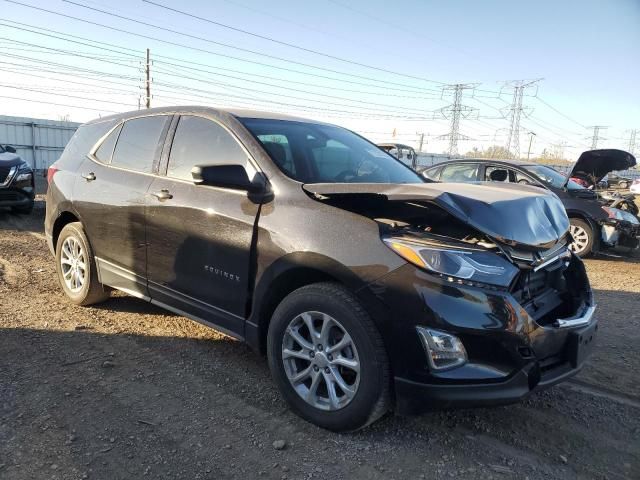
[(342, 176)]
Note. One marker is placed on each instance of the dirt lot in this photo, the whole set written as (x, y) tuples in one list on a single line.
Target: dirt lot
[(125, 390)]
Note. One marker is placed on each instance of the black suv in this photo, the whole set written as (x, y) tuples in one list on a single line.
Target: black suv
[(594, 226), (17, 187), (367, 288)]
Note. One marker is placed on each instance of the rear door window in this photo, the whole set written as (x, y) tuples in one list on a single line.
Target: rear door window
[(140, 143), (499, 174), (460, 172), (199, 141)]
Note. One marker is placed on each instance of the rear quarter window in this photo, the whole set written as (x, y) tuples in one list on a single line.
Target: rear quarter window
[(82, 143), (140, 143)]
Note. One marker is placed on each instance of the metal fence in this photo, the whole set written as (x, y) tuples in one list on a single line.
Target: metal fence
[(38, 142)]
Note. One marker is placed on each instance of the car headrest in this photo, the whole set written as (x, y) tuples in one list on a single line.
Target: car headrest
[(277, 152), (499, 175)]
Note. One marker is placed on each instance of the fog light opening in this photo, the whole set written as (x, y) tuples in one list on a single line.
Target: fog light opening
[(444, 350)]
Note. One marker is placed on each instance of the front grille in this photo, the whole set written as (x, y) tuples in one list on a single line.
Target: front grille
[(10, 197), (4, 173)]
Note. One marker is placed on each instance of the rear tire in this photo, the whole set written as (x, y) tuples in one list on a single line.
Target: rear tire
[(294, 350), (583, 237), (76, 267)]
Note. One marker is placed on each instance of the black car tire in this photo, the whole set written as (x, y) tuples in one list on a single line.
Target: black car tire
[(372, 397), (23, 210), (583, 226), (92, 291)]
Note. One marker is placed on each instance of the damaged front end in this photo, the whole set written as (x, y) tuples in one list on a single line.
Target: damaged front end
[(502, 304)]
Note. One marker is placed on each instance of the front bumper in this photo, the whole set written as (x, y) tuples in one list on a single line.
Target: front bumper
[(511, 350), (620, 234), (415, 397), (16, 197)]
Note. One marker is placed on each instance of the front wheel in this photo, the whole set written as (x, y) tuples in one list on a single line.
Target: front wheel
[(76, 267), (327, 358), (583, 239)]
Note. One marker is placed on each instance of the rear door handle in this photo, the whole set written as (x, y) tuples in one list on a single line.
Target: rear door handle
[(162, 195), (89, 177)]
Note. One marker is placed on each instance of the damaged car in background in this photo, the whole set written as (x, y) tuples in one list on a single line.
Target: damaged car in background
[(368, 289), (596, 223)]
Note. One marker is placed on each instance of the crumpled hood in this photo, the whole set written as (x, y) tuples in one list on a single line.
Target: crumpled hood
[(8, 159), (512, 214), (595, 164)]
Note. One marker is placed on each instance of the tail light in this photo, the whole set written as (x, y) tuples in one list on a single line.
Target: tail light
[(51, 172)]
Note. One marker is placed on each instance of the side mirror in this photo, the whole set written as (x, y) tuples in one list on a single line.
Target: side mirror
[(10, 149), (225, 176)]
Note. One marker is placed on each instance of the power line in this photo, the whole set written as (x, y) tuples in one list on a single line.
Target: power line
[(140, 22), (559, 112), (270, 39), (57, 104)]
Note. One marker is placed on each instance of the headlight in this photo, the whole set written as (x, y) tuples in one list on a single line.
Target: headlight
[(621, 215), (24, 177), (467, 266), (443, 349)]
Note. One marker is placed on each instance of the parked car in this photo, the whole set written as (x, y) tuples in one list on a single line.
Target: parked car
[(404, 153), (593, 227), (616, 181), (17, 187), (367, 288)]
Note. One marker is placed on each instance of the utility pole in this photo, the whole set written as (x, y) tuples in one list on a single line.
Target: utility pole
[(454, 112), (147, 83), (595, 138), (632, 141), (420, 142), (531, 135), (515, 112)]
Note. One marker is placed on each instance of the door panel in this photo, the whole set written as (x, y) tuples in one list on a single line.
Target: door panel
[(111, 201), (199, 244), (199, 238)]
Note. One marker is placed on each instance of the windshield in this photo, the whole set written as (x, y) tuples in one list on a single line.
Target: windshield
[(318, 153), (552, 177)]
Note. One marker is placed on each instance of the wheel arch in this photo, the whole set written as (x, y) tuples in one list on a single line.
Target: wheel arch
[(287, 274), (64, 218)]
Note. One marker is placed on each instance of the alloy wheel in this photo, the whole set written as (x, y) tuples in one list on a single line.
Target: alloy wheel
[(321, 361), (580, 239), (74, 264)]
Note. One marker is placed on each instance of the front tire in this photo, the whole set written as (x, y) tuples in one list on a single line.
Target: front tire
[(76, 267), (328, 359), (583, 238)]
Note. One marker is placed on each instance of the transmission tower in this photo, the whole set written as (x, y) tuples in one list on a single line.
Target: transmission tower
[(595, 138), (515, 112), (632, 141), (454, 112)]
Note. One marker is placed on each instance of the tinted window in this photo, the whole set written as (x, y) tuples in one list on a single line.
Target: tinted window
[(498, 174), (83, 141), (105, 150), (460, 172), (139, 143), (279, 150), (199, 141), (325, 153)]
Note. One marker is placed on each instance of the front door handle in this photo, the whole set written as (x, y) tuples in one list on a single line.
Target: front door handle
[(89, 177), (162, 195)]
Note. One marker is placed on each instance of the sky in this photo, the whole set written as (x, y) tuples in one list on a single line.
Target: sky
[(380, 68)]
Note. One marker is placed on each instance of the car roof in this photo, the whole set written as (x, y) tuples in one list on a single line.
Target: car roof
[(391, 144), (506, 163), (238, 113)]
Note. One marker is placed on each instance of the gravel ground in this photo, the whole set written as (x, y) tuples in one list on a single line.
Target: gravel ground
[(125, 390)]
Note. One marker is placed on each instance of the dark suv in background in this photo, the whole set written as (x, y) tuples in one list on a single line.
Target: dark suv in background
[(17, 187), (367, 288)]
